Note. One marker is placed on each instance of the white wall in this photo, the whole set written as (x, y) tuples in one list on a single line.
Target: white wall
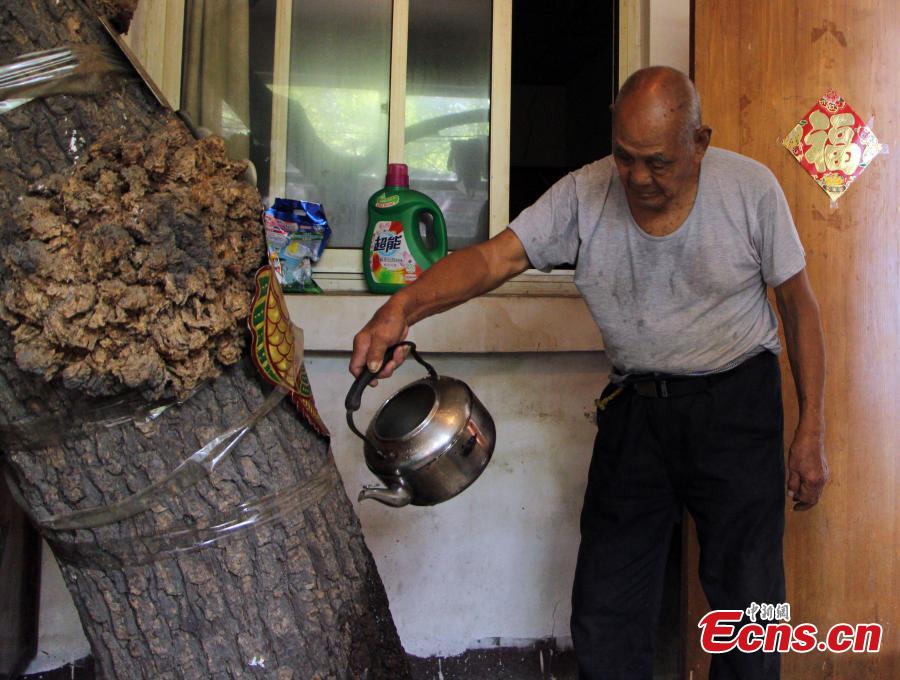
[(653, 33), (497, 561), (669, 34), (60, 637)]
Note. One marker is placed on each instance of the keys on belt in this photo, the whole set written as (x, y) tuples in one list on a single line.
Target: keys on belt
[(657, 387)]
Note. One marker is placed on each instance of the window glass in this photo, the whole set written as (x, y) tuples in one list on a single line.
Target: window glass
[(338, 109), (337, 93), (227, 78), (448, 89), (563, 82)]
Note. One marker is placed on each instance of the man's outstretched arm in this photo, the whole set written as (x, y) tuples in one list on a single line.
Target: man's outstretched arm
[(807, 466), (460, 276)]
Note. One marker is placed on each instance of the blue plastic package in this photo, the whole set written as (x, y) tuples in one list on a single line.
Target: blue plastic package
[(296, 234)]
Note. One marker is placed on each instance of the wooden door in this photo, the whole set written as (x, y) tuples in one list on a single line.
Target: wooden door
[(759, 67)]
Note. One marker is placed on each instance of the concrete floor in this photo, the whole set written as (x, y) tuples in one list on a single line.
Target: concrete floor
[(509, 664), (538, 663)]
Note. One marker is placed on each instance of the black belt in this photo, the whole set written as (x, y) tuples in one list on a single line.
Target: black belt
[(668, 386), (660, 385)]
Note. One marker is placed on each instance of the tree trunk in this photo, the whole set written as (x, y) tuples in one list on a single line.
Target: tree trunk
[(298, 597)]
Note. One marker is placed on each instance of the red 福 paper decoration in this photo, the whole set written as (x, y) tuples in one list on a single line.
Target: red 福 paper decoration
[(833, 144)]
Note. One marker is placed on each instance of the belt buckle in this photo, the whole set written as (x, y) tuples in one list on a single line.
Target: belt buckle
[(652, 388)]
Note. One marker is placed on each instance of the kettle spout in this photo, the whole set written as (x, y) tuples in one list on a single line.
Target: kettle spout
[(396, 496)]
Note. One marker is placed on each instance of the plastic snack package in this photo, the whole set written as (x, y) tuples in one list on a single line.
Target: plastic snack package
[(296, 234)]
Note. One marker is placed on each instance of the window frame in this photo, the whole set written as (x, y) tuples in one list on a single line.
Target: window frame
[(337, 267)]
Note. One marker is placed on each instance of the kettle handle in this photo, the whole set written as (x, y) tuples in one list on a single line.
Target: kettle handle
[(354, 396)]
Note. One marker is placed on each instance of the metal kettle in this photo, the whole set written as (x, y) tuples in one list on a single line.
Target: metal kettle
[(428, 442)]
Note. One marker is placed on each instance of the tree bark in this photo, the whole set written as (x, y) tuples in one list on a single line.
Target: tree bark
[(299, 597)]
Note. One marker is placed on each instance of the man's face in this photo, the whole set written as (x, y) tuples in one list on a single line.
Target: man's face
[(657, 161)]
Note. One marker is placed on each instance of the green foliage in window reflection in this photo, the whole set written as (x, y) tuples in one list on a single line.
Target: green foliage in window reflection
[(346, 120), (432, 123)]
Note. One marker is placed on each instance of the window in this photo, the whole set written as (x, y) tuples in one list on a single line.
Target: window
[(320, 94), (447, 113), (338, 93), (562, 86)]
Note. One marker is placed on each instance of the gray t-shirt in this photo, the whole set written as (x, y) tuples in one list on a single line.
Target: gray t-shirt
[(691, 302)]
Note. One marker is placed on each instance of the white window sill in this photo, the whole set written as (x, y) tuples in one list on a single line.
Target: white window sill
[(557, 283), (535, 312)]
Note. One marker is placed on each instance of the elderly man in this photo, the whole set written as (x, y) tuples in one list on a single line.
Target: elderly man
[(674, 244)]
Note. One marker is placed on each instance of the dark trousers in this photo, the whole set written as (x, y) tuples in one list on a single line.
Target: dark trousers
[(719, 453)]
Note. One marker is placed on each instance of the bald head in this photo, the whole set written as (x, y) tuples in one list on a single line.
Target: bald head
[(662, 96), (658, 139)]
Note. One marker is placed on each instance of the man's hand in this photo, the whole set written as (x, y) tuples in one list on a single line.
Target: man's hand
[(387, 327), (807, 469), (460, 276)]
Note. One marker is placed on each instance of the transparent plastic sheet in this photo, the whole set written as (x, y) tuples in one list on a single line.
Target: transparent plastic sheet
[(884, 148), (197, 466), (143, 549), (285, 504), (73, 69), (138, 550), (39, 433)]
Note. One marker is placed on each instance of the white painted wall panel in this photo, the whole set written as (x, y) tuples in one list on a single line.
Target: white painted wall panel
[(497, 560), (670, 30)]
